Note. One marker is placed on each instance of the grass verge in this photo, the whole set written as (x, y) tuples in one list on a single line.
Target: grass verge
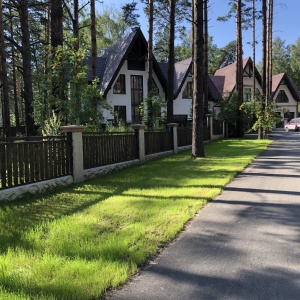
[(77, 242)]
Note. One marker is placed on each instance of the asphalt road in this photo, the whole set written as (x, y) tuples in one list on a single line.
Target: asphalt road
[(244, 245)]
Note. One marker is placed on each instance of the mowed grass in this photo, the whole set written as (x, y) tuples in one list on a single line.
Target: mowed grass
[(77, 242)]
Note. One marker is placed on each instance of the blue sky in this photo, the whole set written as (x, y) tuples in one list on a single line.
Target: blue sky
[(286, 23)]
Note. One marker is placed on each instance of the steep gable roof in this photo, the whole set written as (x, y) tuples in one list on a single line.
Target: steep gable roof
[(228, 75), (215, 86), (278, 79), (181, 70), (110, 63)]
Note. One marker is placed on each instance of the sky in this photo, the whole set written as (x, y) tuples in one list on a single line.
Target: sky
[(286, 23)]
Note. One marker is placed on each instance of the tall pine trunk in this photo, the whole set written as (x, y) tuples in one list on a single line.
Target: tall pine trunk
[(198, 78), (239, 70), (5, 97), (150, 64), (253, 47), (27, 72), (94, 45), (261, 132), (205, 87), (270, 47), (171, 62)]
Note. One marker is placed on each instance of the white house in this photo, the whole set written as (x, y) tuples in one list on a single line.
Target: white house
[(123, 75)]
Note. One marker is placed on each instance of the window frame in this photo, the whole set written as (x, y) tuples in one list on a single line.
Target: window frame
[(121, 81), (281, 97), (187, 93)]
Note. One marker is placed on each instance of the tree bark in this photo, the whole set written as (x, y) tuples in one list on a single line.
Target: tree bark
[(27, 72), (270, 47), (239, 72), (198, 78), (253, 47), (171, 62), (205, 87), (56, 23), (14, 77), (5, 97), (150, 63), (264, 64)]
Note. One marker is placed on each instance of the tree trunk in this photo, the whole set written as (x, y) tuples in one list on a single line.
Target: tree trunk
[(14, 77), (56, 23), (150, 63), (198, 44), (239, 72), (253, 47), (27, 72), (261, 132), (171, 62), (205, 87), (5, 97), (270, 47)]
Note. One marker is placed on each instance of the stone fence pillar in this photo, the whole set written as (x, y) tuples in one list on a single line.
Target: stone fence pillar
[(174, 127), (77, 154), (139, 130)]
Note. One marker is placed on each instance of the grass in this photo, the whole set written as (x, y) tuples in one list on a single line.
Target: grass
[(77, 242)]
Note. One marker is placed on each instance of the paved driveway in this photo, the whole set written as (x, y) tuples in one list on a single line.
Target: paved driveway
[(244, 245)]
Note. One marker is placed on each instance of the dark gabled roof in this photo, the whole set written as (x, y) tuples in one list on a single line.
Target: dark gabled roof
[(215, 86), (100, 65), (181, 71), (282, 77), (110, 63)]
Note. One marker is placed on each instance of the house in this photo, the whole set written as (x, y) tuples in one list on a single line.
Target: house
[(122, 72), (183, 90), (225, 81), (123, 75), (286, 95)]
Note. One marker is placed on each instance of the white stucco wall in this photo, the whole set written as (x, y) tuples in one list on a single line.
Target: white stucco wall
[(292, 105), (183, 106), (125, 99)]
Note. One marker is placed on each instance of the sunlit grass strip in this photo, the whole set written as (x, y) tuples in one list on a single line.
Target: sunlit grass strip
[(80, 241)]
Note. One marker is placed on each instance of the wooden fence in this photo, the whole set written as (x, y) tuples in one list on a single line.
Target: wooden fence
[(28, 160), (158, 141), (34, 159), (100, 149)]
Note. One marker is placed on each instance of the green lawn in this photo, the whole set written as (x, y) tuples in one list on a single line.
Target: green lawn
[(78, 242)]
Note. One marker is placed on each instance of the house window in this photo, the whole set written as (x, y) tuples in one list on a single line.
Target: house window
[(257, 93), (136, 82), (247, 94), (120, 114), (155, 88), (119, 87), (282, 97), (188, 91)]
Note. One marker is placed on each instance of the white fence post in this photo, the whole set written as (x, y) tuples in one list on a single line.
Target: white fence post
[(77, 151), (174, 127), (140, 133)]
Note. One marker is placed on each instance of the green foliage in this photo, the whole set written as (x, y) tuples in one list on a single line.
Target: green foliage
[(52, 125), (77, 242), (230, 112), (281, 57), (75, 100), (110, 28), (130, 17), (151, 110), (120, 126), (266, 116), (295, 62)]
